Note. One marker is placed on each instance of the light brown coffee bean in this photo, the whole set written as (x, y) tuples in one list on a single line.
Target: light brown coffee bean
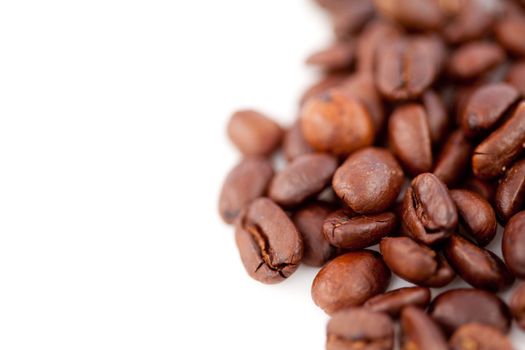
[(339, 55), (470, 19), (413, 14), (475, 58), (509, 32)]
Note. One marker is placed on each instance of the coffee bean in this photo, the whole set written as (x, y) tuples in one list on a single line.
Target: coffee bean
[(339, 55), (513, 244), (373, 36), (334, 122), (369, 181), (429, 213), (305, 177), (477, 266), (409, 138), (327, 82), (496, 154), (419, 332), (470, 20), (480, 337), (350, 280), (509, 32), (358, 328), (309, 221), (475, 58), (476, 216), (246, 181), (487, 106), (486, 189), (510, 195), (294, 144), (349, 16), (394, 301), (348, 230), (413, 14), (516, 76), (454, 158), (455, 308), (269, 244), (415, 262), (517, 305), (254, 133), (437, 116)]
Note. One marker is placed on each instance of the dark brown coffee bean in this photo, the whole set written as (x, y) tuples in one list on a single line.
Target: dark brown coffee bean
[(350, 280), (479, 337), (487, 106), (516, 76), (509, 32), (513, 244), (475, 58), (454, 158), (495, 155), (437, 116), (336, 123), (486, 189), (270, 246), (412, 14), (429, 213), (339, 55), (246, 182), (510, 195), (348, 230), (305, 177), (327, 82), (409, 138), (373, 36), (455, 308), (294, 144), (254, 133), (471, 19), (394, 301), (358, 328), (369, 181), (415, 262), (476, 216), (517, 305), (419, 332), (477, 266), (309, 221)]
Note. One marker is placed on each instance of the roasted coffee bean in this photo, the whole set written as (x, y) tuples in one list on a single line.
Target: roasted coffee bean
[(350, 280), (270, 246), (374, 35), (455, 308), (309, 221), (254, 133), (454, 158), (339, 55), (513, 244), (305, 177), (475, 336), (349, 16), (517, 305), (471, 19), (487, 106), (369, 181), (475, 58), (516, 76), (294, 144), (329, 81), (478, 267), (246, 182), (348, 230), (437, 116), (429, 213), (415, 262), (394, 301), (495, 155), (334, 122), (419, 332), (359, 328), (412, 14), (486, 189), (509, 32), (510, 195), (409, 138), (476, 216)]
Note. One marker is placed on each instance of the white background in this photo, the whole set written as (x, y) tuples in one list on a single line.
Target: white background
[(112, 153)]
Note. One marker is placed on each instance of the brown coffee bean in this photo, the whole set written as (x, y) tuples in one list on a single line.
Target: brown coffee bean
[(339, 55), (437, 116), (471, 19), (495, 155), (415, 262), (348, 16), (419, 332), (334, 122), (412, 14), (510, 195), (509, 32), (294, 144), (394, 301), (517, 305), (329, 81), (270, 246), (513, 244), (409, 138), (455, 308), (309, 221), (486, 189), (254, 133), (476, 216), (371, 39), (454, 158), (429, 213), (475, 58), (350, 280), (478, 267), (358, 328), (479, 337), (516, 76), (348, 230), (247, 181), (369, 181), (305, 177)]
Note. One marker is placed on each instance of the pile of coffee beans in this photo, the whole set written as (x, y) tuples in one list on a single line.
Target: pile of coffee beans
[(411, 143)]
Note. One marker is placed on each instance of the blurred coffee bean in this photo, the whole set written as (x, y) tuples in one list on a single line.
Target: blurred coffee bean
[(412, 14), (339, 55), (517, 305), (516, 76), (329, 81), (509, 32), (480, 337), (454, 158), (374, 35), (394, 301), (437, 116), (294, 144), (420, 332), (510, 195), (470, 19), (513, 244), (475, 58)]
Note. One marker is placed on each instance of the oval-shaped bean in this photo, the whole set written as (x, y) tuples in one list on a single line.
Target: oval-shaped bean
[(486, 189), (509, 32), (369, 181), (413, 14), (294, 144), (437, 116), (394, 301), (516, 76), (513, 244), (419, 331), (471, 20), (339, 55), (479, 336), (350, 280), (475, 58), (517, 305), (453, 159), (510, 195), (370, 40), (329, 81)]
